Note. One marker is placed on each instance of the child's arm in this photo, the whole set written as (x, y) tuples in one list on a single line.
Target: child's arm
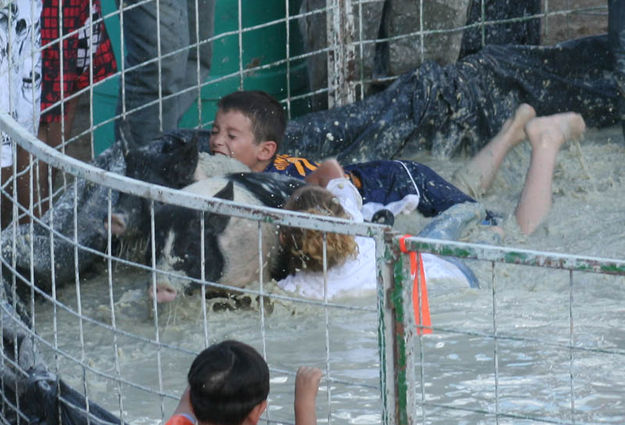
[(183, 415), (306, 387), (327, 170)]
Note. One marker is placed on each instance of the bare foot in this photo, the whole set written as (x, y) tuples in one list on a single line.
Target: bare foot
[(550, 132), (546, 135), (513, 130), (476, 177)]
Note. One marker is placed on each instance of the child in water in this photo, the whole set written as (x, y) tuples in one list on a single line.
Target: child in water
[(228, 384), (249, 126), (350, 260), (354, 270)]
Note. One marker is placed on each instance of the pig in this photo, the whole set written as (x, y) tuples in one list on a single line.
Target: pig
[(230, 243), (174, 162)]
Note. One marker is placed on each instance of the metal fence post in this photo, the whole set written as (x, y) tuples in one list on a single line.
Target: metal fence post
[(341, 53), (396, 363)]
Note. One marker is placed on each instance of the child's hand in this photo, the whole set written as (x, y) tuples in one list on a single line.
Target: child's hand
[(307, 383), (306, 387), (328, 170)]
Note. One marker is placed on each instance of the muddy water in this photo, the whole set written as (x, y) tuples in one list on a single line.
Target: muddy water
[(587, 216), (538, 313), (294, 334)]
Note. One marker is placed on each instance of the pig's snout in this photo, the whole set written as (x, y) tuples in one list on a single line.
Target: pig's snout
[(164, 292)]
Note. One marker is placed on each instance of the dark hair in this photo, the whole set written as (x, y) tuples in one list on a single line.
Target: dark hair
[(263, 110), (227, 380), (304, 247)]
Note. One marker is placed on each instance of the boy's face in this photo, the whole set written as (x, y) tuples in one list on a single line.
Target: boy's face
[(232, 136)]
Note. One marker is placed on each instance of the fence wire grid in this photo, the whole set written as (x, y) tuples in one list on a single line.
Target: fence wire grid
[(510, 352)]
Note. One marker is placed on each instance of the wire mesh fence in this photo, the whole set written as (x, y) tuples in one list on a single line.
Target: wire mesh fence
[(531, 337), (76, 306)]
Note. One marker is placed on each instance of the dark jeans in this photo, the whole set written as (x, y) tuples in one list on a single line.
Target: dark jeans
[(390, 181), (151, 91), (616, 37)]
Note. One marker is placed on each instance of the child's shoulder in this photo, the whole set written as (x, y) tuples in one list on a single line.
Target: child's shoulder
[(348, 196), (293, 166)]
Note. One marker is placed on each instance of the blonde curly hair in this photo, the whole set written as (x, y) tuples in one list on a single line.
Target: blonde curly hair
[(304, 247)]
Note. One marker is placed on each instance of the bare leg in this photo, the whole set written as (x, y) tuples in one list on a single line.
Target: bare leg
[(546, 135), (477, 176)]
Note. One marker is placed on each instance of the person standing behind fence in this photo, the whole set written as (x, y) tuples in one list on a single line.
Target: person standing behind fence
[(20, 79), (158, 90), (228, 384), (616, 37), (75, 55)]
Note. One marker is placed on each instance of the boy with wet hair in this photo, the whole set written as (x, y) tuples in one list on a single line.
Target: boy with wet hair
[(228, 384), (248, 126)]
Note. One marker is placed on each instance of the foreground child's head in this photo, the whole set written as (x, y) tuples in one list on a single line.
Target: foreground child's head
[(249, 126), (229, 384), (304, 247)]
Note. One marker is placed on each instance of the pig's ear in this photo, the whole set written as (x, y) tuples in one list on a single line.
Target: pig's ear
[(130, 157), (181, 164), (124, 135), (217, 223), (227, 192)]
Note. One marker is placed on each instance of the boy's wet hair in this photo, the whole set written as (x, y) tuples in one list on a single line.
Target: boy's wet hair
[(304, 247), (227, 380), (264, 111)]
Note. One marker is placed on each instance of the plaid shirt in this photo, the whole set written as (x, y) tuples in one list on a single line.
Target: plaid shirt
[(77, 42)]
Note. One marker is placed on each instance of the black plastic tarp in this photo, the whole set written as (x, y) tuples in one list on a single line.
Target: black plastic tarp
[(48, 400), (459, 107), (31, 393), (512, 24)]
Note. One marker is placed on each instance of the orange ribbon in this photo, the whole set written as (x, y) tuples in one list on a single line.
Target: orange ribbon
[(420, 302)]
